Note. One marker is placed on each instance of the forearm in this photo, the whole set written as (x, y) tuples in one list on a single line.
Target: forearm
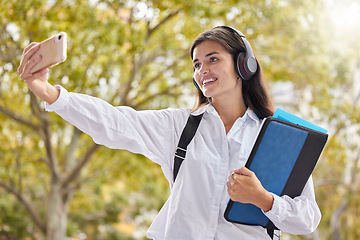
[(120, 127), (300, 215), (50, 94), (93, 116)]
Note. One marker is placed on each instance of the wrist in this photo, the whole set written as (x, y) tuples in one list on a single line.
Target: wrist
[(266, 201), (50, 94)]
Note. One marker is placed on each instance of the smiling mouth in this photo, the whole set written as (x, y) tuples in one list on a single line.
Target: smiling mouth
[(210, 80)]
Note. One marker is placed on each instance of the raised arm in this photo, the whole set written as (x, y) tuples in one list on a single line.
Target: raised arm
[(38, 81)]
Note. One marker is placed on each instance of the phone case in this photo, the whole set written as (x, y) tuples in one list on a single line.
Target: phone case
[(53, 52)]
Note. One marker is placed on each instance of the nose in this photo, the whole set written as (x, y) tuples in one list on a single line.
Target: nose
[(204, 69), (200, 72)]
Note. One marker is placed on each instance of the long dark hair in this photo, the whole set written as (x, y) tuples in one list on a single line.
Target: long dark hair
[(254, 90)]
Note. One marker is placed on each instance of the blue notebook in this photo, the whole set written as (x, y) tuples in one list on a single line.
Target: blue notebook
[(283, 158)]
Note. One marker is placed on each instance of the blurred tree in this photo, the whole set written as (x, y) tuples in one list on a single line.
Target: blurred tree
[(135, 53)]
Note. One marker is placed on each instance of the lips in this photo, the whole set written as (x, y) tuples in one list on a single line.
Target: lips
[(208, 81)]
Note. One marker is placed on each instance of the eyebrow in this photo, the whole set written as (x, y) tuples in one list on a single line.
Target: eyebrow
[(207, 55)]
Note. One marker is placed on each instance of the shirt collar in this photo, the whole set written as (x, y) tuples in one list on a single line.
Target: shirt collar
[(210, 108), (252, 115), (206, 108)]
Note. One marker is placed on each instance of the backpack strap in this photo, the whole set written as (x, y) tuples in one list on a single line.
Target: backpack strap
[(187, 135), (274, 233)]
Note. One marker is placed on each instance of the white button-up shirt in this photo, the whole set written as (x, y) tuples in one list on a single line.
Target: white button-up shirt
[(198, 199)]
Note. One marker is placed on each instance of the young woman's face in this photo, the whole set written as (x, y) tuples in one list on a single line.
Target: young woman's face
[(214, 70)]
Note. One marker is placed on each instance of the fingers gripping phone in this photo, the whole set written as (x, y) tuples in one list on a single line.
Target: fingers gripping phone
[(53, 52)]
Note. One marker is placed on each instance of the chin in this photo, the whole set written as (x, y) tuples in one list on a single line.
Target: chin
[(207, 94)]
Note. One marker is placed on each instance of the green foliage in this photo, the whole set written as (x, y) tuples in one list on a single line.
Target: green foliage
[(135, 53), (13, 214)]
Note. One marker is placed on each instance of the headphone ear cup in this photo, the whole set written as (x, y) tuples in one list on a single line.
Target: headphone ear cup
[(240, 68)]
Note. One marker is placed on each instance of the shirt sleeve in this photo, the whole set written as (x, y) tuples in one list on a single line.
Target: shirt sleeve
[(300, 215), (150, 133)]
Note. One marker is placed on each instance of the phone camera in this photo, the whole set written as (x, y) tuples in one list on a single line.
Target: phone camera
[(59, 38)]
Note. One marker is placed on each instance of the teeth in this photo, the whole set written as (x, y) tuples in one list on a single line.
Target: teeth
[(208, 80)]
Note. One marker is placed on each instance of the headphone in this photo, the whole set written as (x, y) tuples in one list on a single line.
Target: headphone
[(245, 62)]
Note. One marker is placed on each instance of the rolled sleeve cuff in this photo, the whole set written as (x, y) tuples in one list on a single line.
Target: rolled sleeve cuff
[(60, 101), (279, 207)]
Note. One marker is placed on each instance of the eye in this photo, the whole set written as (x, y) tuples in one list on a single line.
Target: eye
[(197, 65), (213, 59)]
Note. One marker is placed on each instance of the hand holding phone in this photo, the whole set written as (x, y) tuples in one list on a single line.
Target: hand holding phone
[(52, 51)]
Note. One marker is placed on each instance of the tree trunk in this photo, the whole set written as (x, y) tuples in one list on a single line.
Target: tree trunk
[(335, 220), (57, 213), (313, 236)]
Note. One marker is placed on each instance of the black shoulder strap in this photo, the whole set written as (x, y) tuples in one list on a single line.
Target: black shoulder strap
[(274, 233), (187, 135), (185, 138)]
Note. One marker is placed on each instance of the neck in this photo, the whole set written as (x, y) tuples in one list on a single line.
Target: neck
[(229, 110)]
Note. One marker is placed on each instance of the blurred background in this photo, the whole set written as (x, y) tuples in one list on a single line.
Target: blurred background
[(54, 178)]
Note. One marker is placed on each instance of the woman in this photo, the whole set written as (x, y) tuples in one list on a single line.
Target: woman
[(233, 109)]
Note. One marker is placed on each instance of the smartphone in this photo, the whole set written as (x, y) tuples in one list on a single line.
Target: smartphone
[(53, 52)]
